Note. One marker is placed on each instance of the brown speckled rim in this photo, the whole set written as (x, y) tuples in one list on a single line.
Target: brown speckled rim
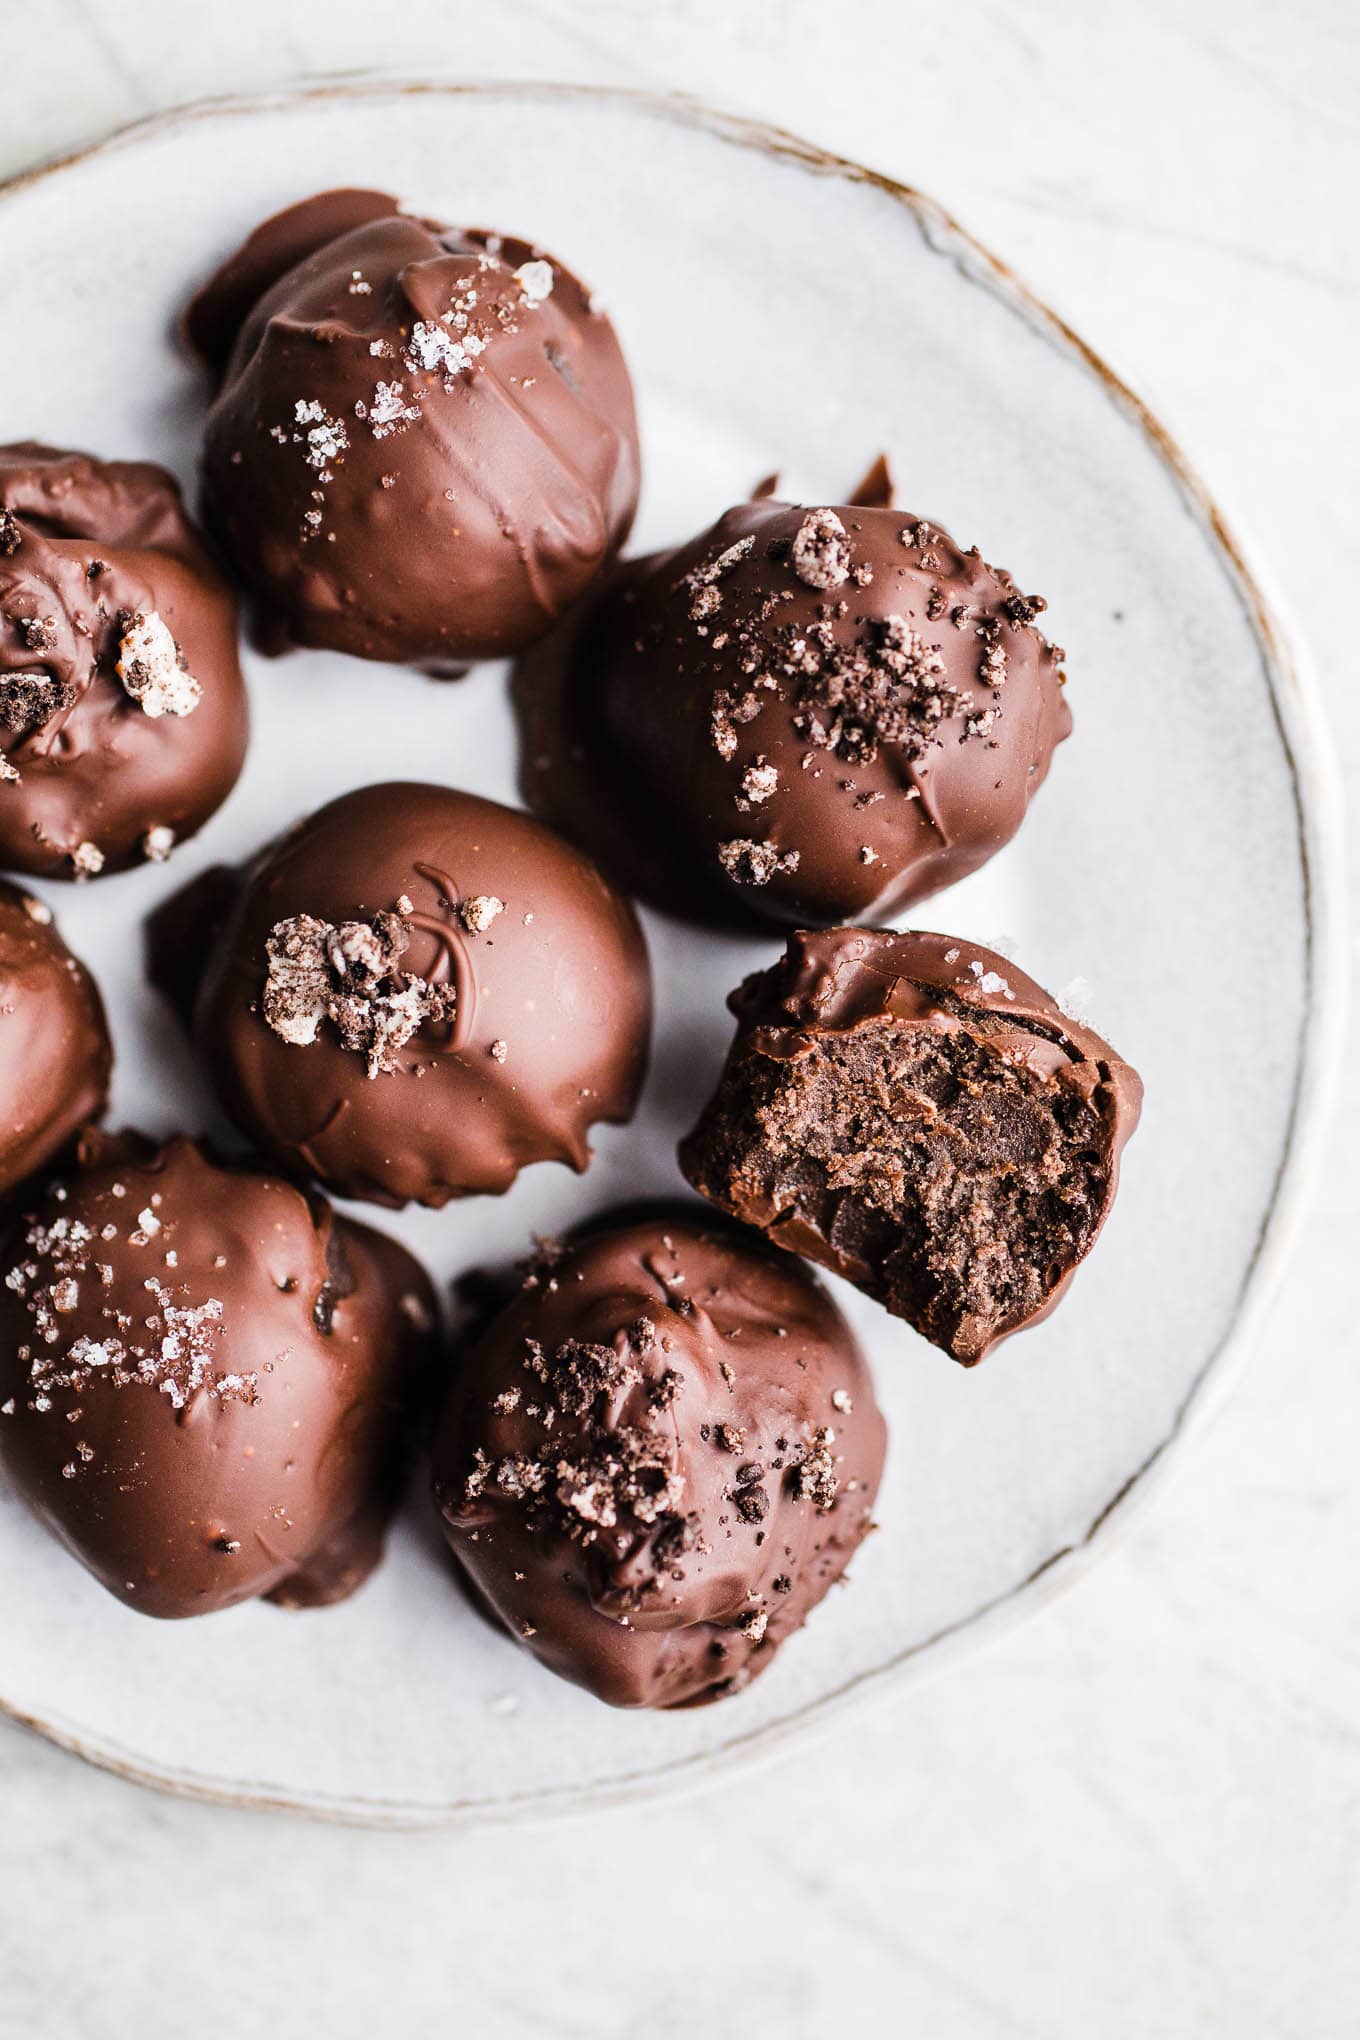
[(1317, 801)]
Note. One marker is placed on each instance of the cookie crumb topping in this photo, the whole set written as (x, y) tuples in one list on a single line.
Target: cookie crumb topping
[(478, 911), (751, 863), (30, 698), (813, 1479), (606, 1460), (349, 974), (821, 550), (152, 667)]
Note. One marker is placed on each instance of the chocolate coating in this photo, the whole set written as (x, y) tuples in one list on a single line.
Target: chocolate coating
[(205, 1379), (123, 717), (802, 715), (503, 1010), (914, 1112), (658, 1458), (55, 1053), (424, 444)]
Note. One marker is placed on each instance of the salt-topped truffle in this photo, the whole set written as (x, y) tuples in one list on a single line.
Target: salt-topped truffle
[(423, 446), (802, 715), (917, 1114), (658, 1457), (123, 718), (418, 992), (55, 1053), (206, 1377)]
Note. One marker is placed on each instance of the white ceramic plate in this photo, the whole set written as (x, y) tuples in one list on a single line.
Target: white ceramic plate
[(1176, 862)]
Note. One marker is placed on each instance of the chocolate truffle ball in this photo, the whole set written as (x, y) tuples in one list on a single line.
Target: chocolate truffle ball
[(418, 992), (658, 1458), (204, 1379), (123, 717), (55, 1053), (802, 715), (916, 1113), (424, 446)]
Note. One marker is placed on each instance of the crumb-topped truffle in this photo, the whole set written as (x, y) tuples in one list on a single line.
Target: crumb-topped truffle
[(917, 1114), (804, 714), (424, 445), (205, 1379), (657, 1459), (418, 992), (123, 718), (55, 1052)]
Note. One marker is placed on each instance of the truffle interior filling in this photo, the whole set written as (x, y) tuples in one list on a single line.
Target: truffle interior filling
[(966, 1184)]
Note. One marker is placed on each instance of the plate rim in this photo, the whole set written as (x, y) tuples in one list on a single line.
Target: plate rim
[(1304, 737)]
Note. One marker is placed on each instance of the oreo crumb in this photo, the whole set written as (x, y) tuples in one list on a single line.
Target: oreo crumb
[(349, 974), (152, 668), (821, 550)]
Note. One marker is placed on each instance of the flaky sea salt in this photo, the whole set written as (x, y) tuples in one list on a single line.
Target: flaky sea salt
[(389, 410), (989, 981), (325, 439), (1075, 999), (434, 349)]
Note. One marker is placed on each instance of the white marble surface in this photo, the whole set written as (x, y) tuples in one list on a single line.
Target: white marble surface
[(1140, 1814)]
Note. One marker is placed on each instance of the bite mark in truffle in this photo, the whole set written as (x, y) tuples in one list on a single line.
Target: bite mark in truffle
[(921, 1117)]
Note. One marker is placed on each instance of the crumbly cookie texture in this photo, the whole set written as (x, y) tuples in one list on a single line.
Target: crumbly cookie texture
[(152, 667), (349, 973)]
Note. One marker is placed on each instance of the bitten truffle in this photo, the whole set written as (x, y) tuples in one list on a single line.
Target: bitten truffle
[(55, 1053), (423, 446), (418, 992), (802, 715), (205, 1379), (915, 1113), (658, 1458), (123, 719)]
